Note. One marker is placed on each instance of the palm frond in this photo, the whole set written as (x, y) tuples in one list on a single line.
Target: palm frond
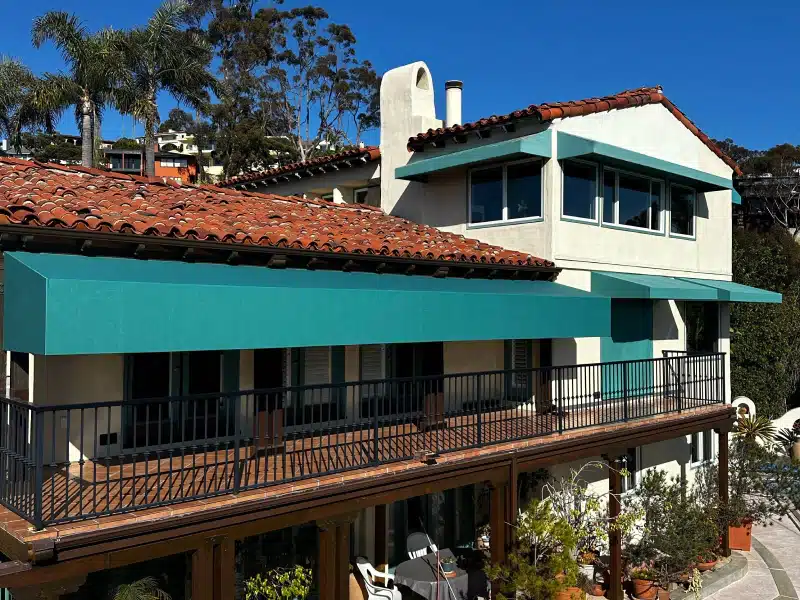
[(146, 588), (65, 31)]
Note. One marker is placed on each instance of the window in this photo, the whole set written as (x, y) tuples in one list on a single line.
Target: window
[(682, 210), (520, 362), (372, 368), (702, 446), (174, 163), (316, 371), (580, 190), (632, 461), (632, 200), (360, 195), (19, 383), (702, 326), (506, 192)]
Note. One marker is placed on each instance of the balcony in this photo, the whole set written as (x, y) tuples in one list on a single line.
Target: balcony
[(66, 463)]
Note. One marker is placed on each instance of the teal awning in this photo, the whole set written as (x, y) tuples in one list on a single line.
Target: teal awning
[(538, 144), (570, 146), (65, 304), (658, 287)]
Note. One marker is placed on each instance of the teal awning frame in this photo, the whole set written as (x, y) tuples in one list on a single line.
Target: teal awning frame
[(537, 144), (573, 146), (659, 287), (69, 304)]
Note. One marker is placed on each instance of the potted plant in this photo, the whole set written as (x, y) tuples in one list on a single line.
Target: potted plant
[(644, 580), (706, 561), (540, 564), (790, 440), (449, 564), (279, 584), (146, 588)]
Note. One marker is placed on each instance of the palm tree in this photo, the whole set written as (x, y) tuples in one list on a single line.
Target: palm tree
[(146, 588), (21, 102), (164, 57), (93, 63)]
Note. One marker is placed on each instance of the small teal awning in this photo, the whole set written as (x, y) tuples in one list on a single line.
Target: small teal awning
[(538, 144), (658, 287), (67, 304), (570, 146)]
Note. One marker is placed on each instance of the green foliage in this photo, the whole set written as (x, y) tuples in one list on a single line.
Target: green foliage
[(280, 584), (177, 120), (541, 562), (126, 144), (146, 588), (674, 530), (755, 429), (765, 338), (787, 437), (51, 147), (22, 107)]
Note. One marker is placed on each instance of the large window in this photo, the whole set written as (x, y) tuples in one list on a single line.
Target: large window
[(632, 200), (174, 163), (506, 192), (682, 210), (630, 478), (702, 446), (580, 190), (20, 369)]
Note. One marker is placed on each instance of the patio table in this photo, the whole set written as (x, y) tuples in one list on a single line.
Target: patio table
[(419, 575)]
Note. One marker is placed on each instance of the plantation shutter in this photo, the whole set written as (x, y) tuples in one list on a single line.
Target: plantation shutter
[(317, 370), (520, 359), (372, 367)]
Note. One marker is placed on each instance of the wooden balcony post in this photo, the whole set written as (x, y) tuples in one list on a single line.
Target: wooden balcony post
[(381, 547), (203, 572), (614, 537), (224, 569), (334, 557), (497, 521), (723, 484), (512, 498)]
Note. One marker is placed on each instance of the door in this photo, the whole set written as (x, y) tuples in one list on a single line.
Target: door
[(631, 339), (421, 360), (204, 417), (269, 377), (144, 424)]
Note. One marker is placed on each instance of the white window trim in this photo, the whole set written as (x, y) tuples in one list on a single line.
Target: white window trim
[(684, 236), (637, 474), (615, 223), (597, 196), (505, 219), (700, 439), (355, 194)]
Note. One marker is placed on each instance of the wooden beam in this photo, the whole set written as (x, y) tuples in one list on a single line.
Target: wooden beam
[(203, 572), (724, 457), (225, 569), (342, 573), (381, 526), (614, 536), (513, 499), (49, 591), (327, 562), (497, 522)]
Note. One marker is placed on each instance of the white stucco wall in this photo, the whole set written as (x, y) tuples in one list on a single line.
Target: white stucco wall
[(346, 180)]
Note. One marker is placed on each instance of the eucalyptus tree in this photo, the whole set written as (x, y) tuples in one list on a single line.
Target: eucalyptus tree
[(93, 63), (164, 56), (22, 106)]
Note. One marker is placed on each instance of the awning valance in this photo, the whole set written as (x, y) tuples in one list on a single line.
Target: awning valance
[(537, 144), (658, 287), (571, 146), (66, 304)]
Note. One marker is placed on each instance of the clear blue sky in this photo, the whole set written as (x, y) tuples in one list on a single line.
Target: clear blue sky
[(728, 64)]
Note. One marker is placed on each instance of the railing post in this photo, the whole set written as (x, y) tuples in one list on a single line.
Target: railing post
[(375, 428), (38, 486), (680, 382), (624, 391), (236, 443), (560, 398), (480, 403), (724, 390)]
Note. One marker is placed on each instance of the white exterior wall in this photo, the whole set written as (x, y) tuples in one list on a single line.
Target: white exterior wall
[(344, 182)]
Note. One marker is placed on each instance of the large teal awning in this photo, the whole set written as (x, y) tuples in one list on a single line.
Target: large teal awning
[(66, 304), (537, 144), (569, 146), (658, 287)]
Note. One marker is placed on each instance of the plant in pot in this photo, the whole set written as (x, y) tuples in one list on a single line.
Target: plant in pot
[(789, 439), (644, 581), (449, 564), (279, 584), (706, 560), (540, 564)]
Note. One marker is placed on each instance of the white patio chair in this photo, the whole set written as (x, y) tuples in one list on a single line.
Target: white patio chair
[(370, 576), (419, 544)]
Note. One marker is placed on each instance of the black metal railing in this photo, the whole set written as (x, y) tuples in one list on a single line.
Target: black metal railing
[(69, 462)]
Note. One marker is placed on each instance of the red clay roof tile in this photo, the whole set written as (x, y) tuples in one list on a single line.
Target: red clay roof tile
[(557, 110), (55, 196), (368, 153)]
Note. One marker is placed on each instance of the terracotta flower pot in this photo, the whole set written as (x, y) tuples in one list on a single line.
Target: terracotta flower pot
[(796, 451), (598, 589), (706, 566), (740, 536), (571, 593), (644, 589)]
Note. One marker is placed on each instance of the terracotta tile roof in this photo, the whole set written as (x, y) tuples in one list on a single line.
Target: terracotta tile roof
[(54, 196), (556, 110), (368, 153)]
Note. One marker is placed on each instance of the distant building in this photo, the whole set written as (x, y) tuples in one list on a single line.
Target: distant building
[(183, 143), (182, 168)]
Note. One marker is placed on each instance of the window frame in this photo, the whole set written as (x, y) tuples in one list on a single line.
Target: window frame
[(504, 208), (615, 203), (684, 236), (701, 448), (635, 474), (597, 196), (356, 192)]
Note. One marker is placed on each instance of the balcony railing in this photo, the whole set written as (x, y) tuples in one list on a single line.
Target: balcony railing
[(76, 461)]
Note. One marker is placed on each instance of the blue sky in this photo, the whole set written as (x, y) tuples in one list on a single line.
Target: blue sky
[(726, 63)]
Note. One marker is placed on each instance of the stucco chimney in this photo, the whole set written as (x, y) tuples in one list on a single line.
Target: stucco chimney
[(453, 100)]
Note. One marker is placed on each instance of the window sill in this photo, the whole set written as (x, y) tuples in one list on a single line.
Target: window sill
[(579, 220), (521, 221), (632, 229), (682, 236)]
